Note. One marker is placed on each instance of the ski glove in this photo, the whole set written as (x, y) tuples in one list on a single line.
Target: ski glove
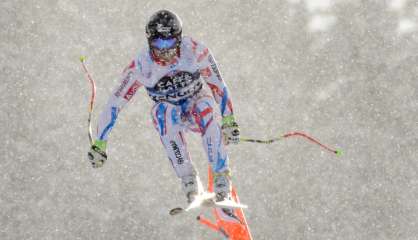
[(97, 154), (230, 130)]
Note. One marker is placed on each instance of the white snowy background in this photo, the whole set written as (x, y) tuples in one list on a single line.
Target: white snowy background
[(344, 71)]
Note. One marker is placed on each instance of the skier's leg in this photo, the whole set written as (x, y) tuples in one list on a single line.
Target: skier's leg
[(203, 113), (167, 122), (204, 116)]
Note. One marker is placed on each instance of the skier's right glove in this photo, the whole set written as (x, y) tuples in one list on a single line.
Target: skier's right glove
[(97, 154)]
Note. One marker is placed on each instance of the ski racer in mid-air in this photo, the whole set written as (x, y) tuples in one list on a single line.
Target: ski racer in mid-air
[(174, 69)]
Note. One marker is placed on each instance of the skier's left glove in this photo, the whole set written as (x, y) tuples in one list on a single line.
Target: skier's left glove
[(230, 130), (97, 154)]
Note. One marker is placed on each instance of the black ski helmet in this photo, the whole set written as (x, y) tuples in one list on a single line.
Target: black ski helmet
[(164, 24)]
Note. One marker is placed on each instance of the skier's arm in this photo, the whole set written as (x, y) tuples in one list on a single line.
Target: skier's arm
[(210, 72), (212, 76), (120, 96)]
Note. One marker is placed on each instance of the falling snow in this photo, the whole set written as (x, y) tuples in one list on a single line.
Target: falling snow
[(344, 71)]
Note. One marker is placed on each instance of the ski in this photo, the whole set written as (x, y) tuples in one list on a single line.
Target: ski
[(207, 199), (232, 228)]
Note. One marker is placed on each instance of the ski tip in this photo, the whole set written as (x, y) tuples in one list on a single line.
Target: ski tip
[(176, 211), (338, 152), (82, 58)]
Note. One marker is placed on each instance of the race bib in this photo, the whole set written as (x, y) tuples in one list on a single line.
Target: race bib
[(174, 88)]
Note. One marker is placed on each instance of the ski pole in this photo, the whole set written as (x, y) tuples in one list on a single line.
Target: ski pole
[(292, 134), (92, 97)]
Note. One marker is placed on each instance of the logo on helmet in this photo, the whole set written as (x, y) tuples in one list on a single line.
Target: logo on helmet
[(162, 29)]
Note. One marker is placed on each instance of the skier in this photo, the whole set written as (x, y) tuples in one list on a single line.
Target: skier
[(174, 69)]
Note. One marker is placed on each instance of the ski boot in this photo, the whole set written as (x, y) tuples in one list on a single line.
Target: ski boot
[(222, 188), (190, 186)]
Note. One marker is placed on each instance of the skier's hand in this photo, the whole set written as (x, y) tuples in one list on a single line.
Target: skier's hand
[(97, 154), (230, 130)]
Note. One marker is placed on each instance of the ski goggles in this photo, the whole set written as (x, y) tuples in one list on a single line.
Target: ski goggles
[(161, 44)]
